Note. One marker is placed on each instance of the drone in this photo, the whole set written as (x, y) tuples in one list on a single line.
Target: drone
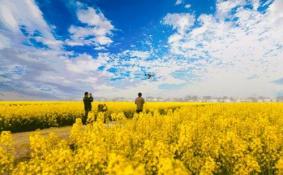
[(149, 75)]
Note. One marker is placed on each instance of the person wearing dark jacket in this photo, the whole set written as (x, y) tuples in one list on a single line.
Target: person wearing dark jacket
[(87, 105)]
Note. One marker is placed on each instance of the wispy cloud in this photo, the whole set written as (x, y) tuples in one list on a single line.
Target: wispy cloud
[(4, 42), (187, 6), (231, 45), (16, 16), (39, 72), (182, 22), (97, 31), (178, 2)]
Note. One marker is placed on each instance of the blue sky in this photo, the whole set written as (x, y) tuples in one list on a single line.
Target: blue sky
[(57, 49)]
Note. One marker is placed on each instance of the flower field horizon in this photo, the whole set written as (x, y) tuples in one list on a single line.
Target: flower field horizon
[(18, 116)]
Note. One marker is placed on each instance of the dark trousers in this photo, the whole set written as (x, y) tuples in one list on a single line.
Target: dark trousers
[(138, 110), (84, 119)]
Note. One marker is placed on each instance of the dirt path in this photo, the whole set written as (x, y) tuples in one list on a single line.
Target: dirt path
[(21, 140)]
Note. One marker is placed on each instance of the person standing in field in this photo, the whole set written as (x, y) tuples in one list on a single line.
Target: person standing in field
[(87, 105), (139, 102)]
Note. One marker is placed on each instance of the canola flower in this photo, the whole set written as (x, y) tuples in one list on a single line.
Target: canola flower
[(242, 138), (27, 116)]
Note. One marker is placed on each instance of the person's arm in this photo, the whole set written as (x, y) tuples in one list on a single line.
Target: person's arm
[(91, 99), (136, 101)]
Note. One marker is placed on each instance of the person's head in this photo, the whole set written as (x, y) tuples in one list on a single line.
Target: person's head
[(139, 94), (86, 93), (90, 94)]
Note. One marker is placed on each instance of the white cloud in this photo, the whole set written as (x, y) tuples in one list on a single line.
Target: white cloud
[(178, 2), (224, 7), (95, 18), (25, 13), (182, 22), (4, 42), (187, 6), (37, 73), (7, 17), (86, 64), (138, 53), (50, 73), (97, 32), (275, 12), (227, 53)]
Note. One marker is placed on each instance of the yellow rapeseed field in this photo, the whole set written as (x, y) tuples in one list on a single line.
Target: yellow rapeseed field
[(26, 116), (218, 138)]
